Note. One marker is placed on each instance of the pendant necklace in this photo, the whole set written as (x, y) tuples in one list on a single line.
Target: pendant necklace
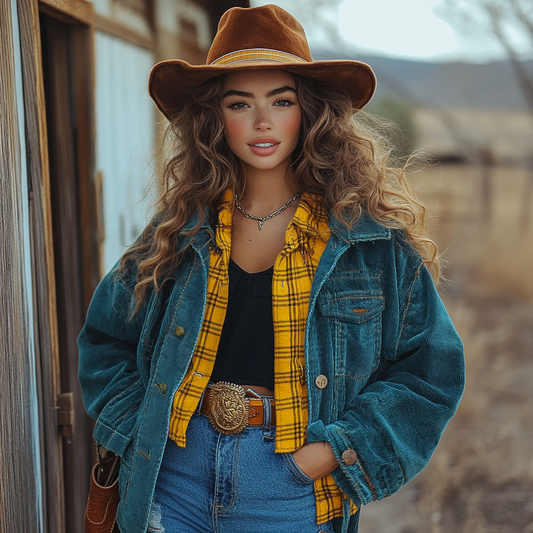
[(262, 220)]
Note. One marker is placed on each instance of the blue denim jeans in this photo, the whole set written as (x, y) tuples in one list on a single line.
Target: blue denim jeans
[(232, 484)]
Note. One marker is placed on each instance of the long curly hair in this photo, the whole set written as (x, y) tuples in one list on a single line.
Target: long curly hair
[(341, 157)]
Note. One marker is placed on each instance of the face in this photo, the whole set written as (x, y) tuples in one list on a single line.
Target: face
[(262, 118)]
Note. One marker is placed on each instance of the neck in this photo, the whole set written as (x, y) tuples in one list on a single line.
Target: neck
[(266, 191)]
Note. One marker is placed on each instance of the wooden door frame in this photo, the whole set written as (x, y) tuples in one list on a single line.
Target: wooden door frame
[(43, 267), (79, 14)]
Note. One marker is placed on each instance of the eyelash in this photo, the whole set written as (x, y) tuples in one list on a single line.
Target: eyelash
[(234, 104), (288, 101)]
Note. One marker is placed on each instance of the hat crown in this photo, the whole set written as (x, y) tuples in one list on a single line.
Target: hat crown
[(257, 38), (265, 27)]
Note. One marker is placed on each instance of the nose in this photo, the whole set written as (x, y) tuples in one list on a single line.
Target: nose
[(262, 120)]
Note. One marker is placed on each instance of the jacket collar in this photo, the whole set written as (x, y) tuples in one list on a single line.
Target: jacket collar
[(194, 220), (365, 229), (225, 206)]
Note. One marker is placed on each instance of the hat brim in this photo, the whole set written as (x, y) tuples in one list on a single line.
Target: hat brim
[(171, 82)]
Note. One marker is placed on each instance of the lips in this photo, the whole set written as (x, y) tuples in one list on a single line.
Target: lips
[(264, 146)]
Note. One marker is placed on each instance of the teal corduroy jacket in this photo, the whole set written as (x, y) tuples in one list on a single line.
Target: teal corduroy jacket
[(376, 329)]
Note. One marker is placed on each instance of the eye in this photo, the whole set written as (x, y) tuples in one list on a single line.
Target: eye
[(238, 105), (284, 102)]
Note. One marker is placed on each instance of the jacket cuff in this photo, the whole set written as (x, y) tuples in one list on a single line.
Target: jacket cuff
[(110, 438), (350, 476)]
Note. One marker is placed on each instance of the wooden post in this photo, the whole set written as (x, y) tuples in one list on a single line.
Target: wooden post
[(487, 161), (21, 493), (527, 197)]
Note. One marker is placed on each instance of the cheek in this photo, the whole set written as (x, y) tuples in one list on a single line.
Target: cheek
[(292, 127), (234, 129)]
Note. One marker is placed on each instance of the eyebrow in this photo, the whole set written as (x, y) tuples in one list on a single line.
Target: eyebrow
[(274, 92)]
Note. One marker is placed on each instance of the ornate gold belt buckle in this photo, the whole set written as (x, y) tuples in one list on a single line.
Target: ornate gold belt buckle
[(228, 408)]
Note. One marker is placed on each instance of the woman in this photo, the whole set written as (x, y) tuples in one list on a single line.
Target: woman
[(272, 353)]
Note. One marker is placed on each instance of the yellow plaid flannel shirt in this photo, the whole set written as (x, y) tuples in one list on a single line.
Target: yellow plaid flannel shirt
[(305, 240)]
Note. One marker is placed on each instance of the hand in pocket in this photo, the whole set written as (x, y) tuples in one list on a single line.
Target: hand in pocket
[(315, 460)]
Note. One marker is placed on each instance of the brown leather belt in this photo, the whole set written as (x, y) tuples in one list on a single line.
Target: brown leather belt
[(230, 408)]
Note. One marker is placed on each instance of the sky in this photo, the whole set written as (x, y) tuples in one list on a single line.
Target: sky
[(409, 29)]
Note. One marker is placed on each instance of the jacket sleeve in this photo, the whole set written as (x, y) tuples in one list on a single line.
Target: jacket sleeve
[(395, 423), (111, 385)]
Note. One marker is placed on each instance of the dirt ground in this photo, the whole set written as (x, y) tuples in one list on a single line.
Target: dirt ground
[(480, 479)]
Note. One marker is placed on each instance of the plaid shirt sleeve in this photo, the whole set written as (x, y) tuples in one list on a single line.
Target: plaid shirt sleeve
[(305, 241)]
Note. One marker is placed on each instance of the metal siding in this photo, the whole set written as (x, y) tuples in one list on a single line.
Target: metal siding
[(124, 140)]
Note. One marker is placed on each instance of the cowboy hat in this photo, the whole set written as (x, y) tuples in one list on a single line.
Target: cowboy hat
[(257, 38)]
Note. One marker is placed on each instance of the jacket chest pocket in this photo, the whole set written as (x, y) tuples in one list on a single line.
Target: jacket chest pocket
[(355, 326)]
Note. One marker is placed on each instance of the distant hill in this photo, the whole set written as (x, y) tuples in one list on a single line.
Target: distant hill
[(458, 85)]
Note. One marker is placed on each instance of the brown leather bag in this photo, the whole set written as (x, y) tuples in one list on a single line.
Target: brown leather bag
[(101, 512)]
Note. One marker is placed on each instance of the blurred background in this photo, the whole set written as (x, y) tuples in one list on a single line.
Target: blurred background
[(77, 138), (456, 76)]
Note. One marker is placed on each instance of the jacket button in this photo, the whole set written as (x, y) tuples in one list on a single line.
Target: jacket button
[(321, 381), (349, 457), (179, 332), (162, 388)]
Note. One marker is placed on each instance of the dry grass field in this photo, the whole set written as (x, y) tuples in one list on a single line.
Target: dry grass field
[(480, 479)]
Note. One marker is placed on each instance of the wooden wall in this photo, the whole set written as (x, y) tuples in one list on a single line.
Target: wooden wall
[(48, 185), (44, 477), (20, 488)]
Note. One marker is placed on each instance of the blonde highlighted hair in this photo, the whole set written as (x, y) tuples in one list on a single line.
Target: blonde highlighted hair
[(340, 157)]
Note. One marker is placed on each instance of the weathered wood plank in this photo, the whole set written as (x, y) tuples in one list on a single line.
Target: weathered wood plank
[(75, 10), (43, 266), (19, 460)]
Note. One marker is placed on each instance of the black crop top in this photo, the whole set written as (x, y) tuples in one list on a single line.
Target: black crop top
[(246, 350)]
